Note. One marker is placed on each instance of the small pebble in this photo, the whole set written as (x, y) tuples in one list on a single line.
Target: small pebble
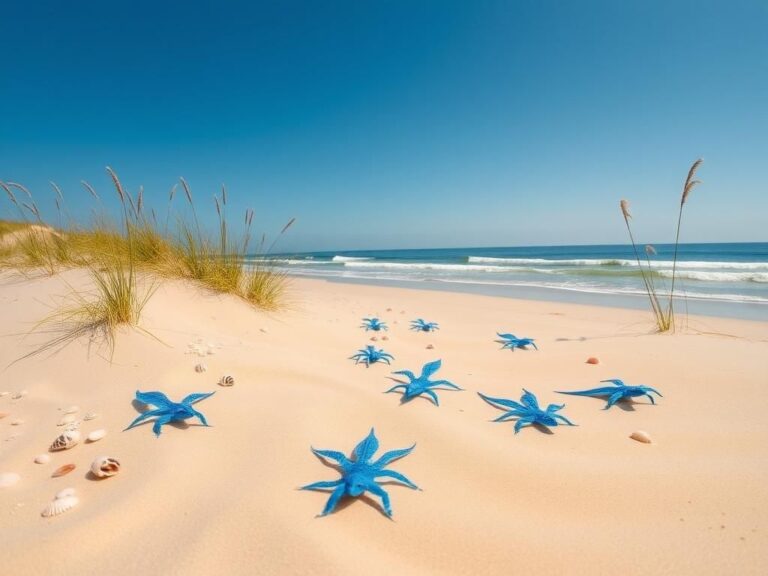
[(8, 479), (19, 394), (641, 436), (374, 338), (42, 459), (385, 337), (17, 422), (430, 347), (593, 360)]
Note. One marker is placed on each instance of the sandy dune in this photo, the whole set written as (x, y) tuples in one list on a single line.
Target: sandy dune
[(582, 500)]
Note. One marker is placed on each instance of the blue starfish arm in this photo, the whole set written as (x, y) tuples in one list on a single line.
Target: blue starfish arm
[(614, 398), (391, 456), (432, 395), (564, 419), (403, 386), (407, 373), (614, 381), (200, 417), (654, 391), (332, 455), (604, 391), (374, 488), (651, 399), (502, 402), (144, 415), (193, 398), (522, 422), (397, 476), (529, 399), (430, 368), (323, 484), (506, 416), (386, 358), (555, 407), (157, 426), (366, 448), (506, 336), (156, 398), (330, 505), (445, 383), (533, 344)]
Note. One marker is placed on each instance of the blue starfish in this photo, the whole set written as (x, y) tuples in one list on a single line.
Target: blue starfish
[(619, 391), (373, 324), (422, 384), (421, 326), (359, 474), (168, 411), (369, 355), (527, 411), (511, 341)]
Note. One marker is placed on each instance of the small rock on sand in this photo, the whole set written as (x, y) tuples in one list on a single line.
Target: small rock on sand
[(641, 436), (430, 346), (593, 360)]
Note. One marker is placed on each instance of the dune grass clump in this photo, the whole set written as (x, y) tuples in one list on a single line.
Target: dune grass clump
[(117, 252), (663, 315)]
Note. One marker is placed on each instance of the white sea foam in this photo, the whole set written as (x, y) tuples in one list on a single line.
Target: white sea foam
[(349, 258), (761, 277), (686, 264)]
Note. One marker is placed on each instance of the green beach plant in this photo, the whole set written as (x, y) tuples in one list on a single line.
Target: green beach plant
[(664, 316)]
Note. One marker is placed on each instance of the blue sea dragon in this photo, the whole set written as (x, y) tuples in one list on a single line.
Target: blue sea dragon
[(369, 355), (359, 474), (373, 324), (168, 411), (422, 384), (619, 391), (511, 341), (527, 411), (421, 326)]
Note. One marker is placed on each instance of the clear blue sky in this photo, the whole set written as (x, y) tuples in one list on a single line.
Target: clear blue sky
[(401, 124)]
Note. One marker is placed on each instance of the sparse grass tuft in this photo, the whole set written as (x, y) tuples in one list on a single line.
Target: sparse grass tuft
[(664, 317)]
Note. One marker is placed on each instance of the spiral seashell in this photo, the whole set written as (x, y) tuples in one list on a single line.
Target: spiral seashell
[(227, 381), (641, 436), (96, 435), (63, 470), (104, 467), (42, 459), (65, 440), (59, 506), (200, 368)]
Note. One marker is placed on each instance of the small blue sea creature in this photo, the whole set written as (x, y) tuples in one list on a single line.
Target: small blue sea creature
[(422, 384), (421, 326), (511, 341), (619, 391), (527, 411), (373, 324), (168, 411), (369, 355), (359, 475)]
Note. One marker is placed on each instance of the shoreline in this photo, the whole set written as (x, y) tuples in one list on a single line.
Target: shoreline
[(749, 311)]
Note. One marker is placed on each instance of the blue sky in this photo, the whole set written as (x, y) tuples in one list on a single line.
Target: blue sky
[(400, 124)]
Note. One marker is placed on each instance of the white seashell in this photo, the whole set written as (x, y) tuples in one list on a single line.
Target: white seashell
[(72, 410), (42, 459), (19, 394), (3, 393), (96, 435), (59, 506), (641, 436), (104, 467), (227, 381), (8, 479), (90, 416), (68, 419), (201, 368), (65, 440), (64, 493), (18, 422)]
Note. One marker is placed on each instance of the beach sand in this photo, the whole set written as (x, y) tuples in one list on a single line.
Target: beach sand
[(224, 499)]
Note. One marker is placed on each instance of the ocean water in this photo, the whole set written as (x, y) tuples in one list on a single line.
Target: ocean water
[(717, 279)]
